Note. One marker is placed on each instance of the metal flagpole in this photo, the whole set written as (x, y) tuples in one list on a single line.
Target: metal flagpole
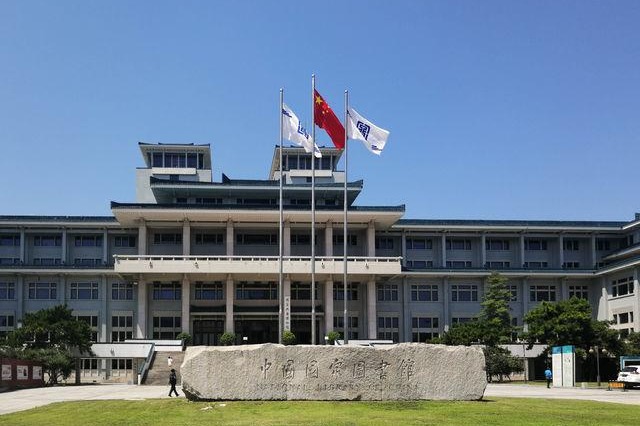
[(344, 231), (280, 242), (313, 212)]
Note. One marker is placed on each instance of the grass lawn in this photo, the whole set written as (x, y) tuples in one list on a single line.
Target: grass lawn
[(496, 411)]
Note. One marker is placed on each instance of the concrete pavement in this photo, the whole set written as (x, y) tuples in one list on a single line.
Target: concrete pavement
[(30, 398)]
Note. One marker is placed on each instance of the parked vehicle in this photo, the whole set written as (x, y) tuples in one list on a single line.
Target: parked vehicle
[(630, 376)]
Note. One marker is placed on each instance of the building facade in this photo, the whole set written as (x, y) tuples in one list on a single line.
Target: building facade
[(198, 256)]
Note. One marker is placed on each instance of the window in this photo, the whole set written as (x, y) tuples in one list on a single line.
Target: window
[(424, 328), (499, 264), (352, 240), (47, 261), (9, 260), (208, 291), (572, 265), (47, 241), (125, 241), (464, 293), (257, 239), (419, 264), (458, 244), (496, 245), (172, 239), (454, 264), (300, 240), (338, 291), (88, 241), (87, 261), (535, 245), (419, 243), (92, 322), (536, 265), (300, 202), (209, 238), (542, 293), (389, 327), (461, 320), (43, 291), (247, 290), (121, 328), (121, 366), (175, 159), (352, 330), (121, 291), (7, 321), (622, 287), (513, 289), (167, 291), (384, 243), (623, 318), (387, 292), (302, 291), (7, 291), (579, 291), (571, 245), (204, 200), (9, 240), (256, 201), (424, 293), (603, 245), (166, 327), (84, 291)]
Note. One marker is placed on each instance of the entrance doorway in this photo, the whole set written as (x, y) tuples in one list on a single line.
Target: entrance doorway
[(257, 330), (301, 327), (207, 331)]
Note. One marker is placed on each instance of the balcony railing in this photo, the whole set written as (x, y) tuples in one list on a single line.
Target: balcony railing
[(255, 264)]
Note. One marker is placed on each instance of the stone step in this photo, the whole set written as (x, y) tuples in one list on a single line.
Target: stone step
[(160, 369)]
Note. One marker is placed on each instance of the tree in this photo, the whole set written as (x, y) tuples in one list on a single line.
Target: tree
[(632, 344), (50, 336), (570, 322), (495, 316), (500, 363)]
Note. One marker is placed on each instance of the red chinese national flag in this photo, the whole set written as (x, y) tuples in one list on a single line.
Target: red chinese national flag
[(325, 118)]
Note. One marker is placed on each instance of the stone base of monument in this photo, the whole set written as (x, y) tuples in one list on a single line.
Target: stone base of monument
[(406, 371)]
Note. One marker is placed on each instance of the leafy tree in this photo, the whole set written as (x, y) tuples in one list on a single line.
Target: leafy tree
[(227, 339), (632, 344), (49, 336), (500, 363), (495, 316), (461, 334)]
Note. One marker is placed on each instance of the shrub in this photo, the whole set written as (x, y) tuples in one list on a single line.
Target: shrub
[(333, 336), (185, 337), (288, 338), (227, 339)]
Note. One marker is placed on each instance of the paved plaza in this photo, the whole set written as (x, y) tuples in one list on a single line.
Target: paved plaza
[(30, 398)]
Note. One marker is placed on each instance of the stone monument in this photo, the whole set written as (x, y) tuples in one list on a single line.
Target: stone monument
[(406, 371)]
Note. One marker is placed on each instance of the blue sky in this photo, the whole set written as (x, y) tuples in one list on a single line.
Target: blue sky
[(497, 109)]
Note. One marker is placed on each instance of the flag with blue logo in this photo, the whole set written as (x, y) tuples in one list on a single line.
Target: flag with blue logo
[(373, 137), (292, 130)]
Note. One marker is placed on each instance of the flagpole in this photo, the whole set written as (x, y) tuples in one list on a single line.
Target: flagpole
[(280, 242), (344, 231), (313, 212)]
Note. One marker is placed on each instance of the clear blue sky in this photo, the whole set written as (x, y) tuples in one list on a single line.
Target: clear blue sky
[(497, 109)]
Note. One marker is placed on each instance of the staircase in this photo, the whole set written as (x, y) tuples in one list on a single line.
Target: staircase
[(159, 371)]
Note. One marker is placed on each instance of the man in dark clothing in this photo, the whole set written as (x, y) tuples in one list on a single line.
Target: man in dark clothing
[(172, 382)]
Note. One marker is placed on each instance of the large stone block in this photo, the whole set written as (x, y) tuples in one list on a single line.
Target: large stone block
[(407, 371)]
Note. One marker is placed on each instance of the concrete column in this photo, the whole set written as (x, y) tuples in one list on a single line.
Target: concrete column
[(103, 318), (328, 246), (105, 247), (446, 321), (20, 296), (186, 300), (141, 325), (286, 238), (186, 239), (522, 251), (403, 243), (525, 296), (142, 238), (23, 247), (561, 251), (636, 310), (63, 254), (229, 325), (603, 305), (328, 305), (230, 238), (62, 289), (594, 254), (371, 309), (483, 251), (564, 289), (443, 242), (371, 239), (406, 311)]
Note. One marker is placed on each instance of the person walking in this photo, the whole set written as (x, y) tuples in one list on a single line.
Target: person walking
[(172, 381), (548, 375)]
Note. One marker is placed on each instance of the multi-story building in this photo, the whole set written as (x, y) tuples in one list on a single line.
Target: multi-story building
[(201, 257)]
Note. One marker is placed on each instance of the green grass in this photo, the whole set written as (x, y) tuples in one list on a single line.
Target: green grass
[(497, 411)]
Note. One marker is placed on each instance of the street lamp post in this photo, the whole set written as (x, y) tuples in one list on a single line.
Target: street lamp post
[(596, 349)]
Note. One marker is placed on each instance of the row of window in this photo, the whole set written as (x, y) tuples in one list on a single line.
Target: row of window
[(622, 287)]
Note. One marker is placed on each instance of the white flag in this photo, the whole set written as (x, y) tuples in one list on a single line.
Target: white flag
[(373, 137), (293, 131)]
